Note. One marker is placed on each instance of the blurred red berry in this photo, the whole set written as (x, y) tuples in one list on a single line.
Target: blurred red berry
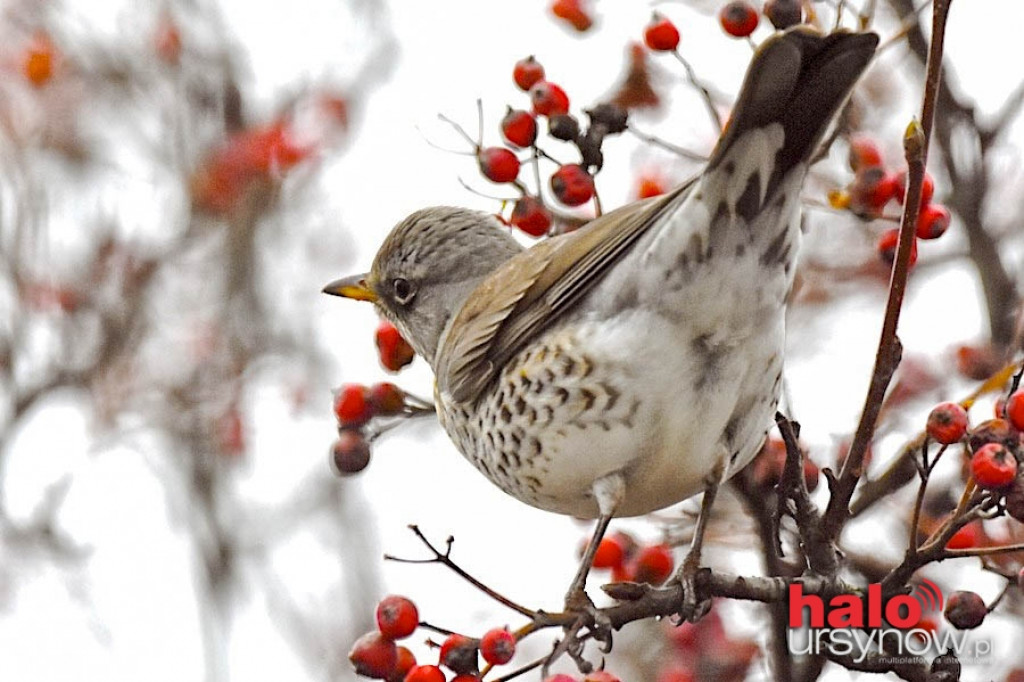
[(738, 18), (947, 423), (386, 399), (653, 565), (397, 617), (527, 72), (978, 362), (560, 677), (498, 646), (405, 662), (887, 246), (965, 610), (458, 654), (871, 190), (548, 99), (351, 406), (864, 153), (573, 13), (167, 41), (927, 188), (393, 351), (783, 13), (966, 538), (932, 221), (374, 655), (1014, 409), (661, 34), (39, 60), (530, 216), (350, 454), (649, 186), (610, 553), (425, 673), (498, 164), (519, 127), (572, 185), (993, 466)]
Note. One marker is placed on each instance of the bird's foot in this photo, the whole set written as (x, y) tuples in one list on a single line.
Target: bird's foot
[(588, 623), (695, 606)]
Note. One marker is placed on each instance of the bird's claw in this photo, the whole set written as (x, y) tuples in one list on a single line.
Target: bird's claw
[(588, 619), (692, 608)]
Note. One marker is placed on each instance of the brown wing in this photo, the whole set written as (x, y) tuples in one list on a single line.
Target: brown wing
[(518, 301)]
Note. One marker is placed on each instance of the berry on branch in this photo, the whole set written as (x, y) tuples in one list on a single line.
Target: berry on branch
[(397, 617), (932, 221), (527, 72), (548, 99), (783, 13), (530, 216), (519, 127), (458, 654), (965, 610), (947, 423), (374, 655), (351, 406), (350, 454), (498, 646), (739, 18), (572, 185), (993, 466), (393, 351), (661, 34), (498, 164)]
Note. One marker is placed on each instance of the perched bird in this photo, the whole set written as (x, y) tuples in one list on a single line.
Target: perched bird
[(637, 361)]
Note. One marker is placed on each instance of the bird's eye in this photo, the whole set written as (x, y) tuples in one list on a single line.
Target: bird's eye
[(404, 290)]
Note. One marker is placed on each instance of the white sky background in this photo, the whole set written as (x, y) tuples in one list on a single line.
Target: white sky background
[(452, 52)]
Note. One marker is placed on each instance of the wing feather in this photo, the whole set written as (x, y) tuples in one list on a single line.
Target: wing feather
[(518, 301)]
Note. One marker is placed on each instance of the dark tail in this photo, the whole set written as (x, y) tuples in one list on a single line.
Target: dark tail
[(799, 79)]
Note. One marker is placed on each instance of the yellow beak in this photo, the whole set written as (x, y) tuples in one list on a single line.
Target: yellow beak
[(354, 287)]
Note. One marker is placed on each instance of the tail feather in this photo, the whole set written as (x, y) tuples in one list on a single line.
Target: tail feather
[(798, 79)]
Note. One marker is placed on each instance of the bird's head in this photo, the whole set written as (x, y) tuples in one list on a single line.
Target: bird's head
[(426, 269)]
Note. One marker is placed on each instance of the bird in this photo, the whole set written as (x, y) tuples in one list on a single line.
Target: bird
[(635, 362)]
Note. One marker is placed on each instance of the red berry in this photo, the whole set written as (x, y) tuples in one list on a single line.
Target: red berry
[(1014, 409), (527, 72), (864, 153), (887, 246), (947, 423), (649, 186), (871, 191), (393, 351), (965, 538), (572, 185), (600, 676), (993, 431), (783, 13), (458, 654), (560, 677), (498, 164), (573, 13), (932, 221), (548, 99), (610, 553), (519, 127), (653, 565), (397, 617), (738, 18), (406, 662), (425, 673), (927, 188), (386, 399), (993, 466), (350, 454), (661, 34), (965, 610), (497, 646), (39, 60), (374, 655), (530, 216), (351, 406)]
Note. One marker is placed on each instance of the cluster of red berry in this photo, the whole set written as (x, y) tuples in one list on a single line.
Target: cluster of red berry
[(572, 184), (996, 447), (629, 561), (698, 648), (377, 655), (872, 189), (355, 404)]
